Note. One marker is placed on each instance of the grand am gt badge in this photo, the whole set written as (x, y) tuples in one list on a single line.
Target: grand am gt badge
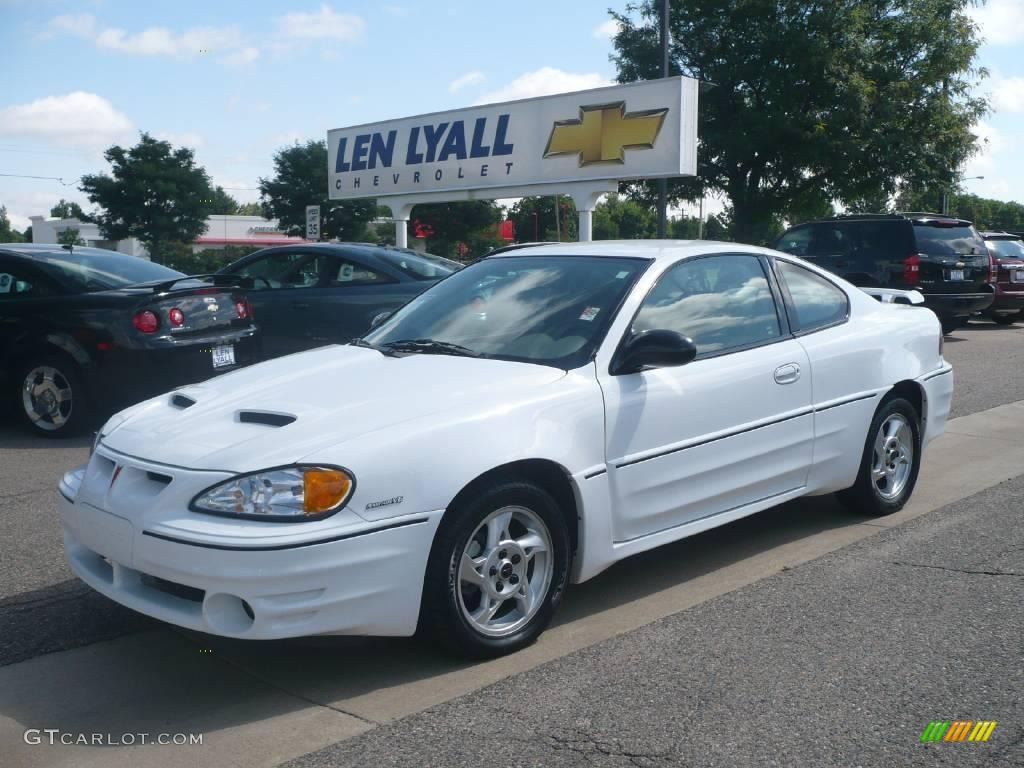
[(385, 502)]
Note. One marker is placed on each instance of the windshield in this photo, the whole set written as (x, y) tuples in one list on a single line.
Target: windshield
[(939, 239), (419, 266), (1006, 249), (96, 270), (550, 310)]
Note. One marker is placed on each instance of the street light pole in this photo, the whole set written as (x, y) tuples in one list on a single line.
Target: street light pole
[(663, 183), (945, 192)]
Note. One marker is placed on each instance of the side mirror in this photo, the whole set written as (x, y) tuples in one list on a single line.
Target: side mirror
[(380, 318), (653, 349)]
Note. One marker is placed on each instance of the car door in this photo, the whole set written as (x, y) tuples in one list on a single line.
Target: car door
[(352, 292), (731, 428), (281, 294), (26, 304)]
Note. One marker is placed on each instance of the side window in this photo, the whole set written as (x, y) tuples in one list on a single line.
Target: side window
[(288, 269), (721, 302), (827, 240), (15, 284), (341, 272), (795, 241), (817, 302)]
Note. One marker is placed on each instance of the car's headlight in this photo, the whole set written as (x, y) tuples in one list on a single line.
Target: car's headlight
[(284, 494)]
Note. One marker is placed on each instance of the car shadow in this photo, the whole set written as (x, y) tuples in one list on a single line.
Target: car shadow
[(231, 682)]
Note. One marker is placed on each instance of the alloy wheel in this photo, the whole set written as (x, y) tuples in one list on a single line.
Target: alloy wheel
[(47, 398), (505, 571), (893, 458)]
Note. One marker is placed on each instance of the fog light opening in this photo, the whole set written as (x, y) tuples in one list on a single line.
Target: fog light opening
[(228, 614)]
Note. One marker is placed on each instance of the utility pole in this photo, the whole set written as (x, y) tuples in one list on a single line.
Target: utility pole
[(663, 183)]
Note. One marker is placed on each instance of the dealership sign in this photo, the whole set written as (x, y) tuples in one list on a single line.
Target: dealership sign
[(639, 130)]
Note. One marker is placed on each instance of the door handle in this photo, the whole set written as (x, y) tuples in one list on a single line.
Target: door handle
[(787, 374)]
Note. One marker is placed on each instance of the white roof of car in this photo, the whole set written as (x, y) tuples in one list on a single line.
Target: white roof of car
[(659, 250)]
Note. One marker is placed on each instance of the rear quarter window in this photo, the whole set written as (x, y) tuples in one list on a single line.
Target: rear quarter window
[(941, 240)]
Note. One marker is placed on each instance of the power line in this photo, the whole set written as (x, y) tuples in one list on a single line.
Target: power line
[(45, 178)]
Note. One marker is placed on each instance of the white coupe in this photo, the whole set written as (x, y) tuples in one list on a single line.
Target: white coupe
[(523, 424)]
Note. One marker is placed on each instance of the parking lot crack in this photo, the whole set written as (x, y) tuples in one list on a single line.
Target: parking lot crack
[(578, 741), (968, 571)]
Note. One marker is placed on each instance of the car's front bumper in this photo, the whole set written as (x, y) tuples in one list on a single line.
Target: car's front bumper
[(359, 578)]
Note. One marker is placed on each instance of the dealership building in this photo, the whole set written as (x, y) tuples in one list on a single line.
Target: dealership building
[(251, 231)]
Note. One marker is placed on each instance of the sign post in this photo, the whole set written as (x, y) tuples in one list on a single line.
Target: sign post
[(313, 222), (581, 144)]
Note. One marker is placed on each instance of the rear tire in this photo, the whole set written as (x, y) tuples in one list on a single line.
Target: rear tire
[(1005, 319), (949, 324), (890, 463), (50, 396), (498, 568)]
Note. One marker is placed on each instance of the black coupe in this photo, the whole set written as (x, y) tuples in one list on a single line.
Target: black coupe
[(84, 331)]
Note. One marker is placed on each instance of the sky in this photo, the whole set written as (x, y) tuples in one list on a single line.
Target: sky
[(238, 80)]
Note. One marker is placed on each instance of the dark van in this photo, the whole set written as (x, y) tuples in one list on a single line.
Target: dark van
[(942, 257)]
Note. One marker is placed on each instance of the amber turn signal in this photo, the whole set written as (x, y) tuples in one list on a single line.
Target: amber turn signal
[(324, 489)]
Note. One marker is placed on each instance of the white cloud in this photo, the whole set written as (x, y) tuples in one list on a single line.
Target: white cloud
[(185, 139), (468, 79), (242, 57), (152, 41), (1008, 95), (998, 162), (324, 24), (1001, 21), (78, 119), (543, 82), (606, 29)]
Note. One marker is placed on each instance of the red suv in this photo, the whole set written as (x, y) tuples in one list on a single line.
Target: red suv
[(1007, 254)]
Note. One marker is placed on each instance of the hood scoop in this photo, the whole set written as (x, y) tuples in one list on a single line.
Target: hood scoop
[(266, 418), (181, 401)]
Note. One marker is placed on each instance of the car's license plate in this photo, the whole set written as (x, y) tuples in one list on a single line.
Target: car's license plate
[(956, 274), (223, 356)]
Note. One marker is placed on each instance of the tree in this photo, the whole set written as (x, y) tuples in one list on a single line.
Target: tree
[(70, 236), (250, 209), (470, 222), (220, 203), (66, 209), (534, 219), (8, 235), (300, 179), (842, 97), (617, 218), (155, 193)]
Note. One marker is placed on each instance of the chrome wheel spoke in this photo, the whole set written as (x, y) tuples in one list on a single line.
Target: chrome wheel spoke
[(470, 570), (497, 529), (524, 599), (531, 544), (488, 607)]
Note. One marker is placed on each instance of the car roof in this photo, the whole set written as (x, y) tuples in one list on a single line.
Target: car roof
[(657, 250), (29, 250)]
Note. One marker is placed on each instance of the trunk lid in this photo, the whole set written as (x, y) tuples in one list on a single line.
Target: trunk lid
[(953, 256)]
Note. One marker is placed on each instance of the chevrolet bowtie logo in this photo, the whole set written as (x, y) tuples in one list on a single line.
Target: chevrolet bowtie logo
[(604, 132)]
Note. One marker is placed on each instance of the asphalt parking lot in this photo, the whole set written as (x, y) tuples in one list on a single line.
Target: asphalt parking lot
[(799, 636)]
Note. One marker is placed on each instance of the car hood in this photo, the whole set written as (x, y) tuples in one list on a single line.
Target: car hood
[(333, 394)]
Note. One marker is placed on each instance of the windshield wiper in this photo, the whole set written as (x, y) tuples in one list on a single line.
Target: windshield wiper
[(361, 342), (430, 346)]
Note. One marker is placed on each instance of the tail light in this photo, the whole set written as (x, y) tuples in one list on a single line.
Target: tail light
[(146, 321), (243, 309), (177, 317), (993, 270), (912, 269)]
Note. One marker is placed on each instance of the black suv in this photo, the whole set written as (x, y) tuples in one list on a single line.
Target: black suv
[(944, 258)]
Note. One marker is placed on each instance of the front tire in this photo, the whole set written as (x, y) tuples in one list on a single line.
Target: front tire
[(890, 463), (497, 570), (1006, 319), (50, 396), (949, 324)]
